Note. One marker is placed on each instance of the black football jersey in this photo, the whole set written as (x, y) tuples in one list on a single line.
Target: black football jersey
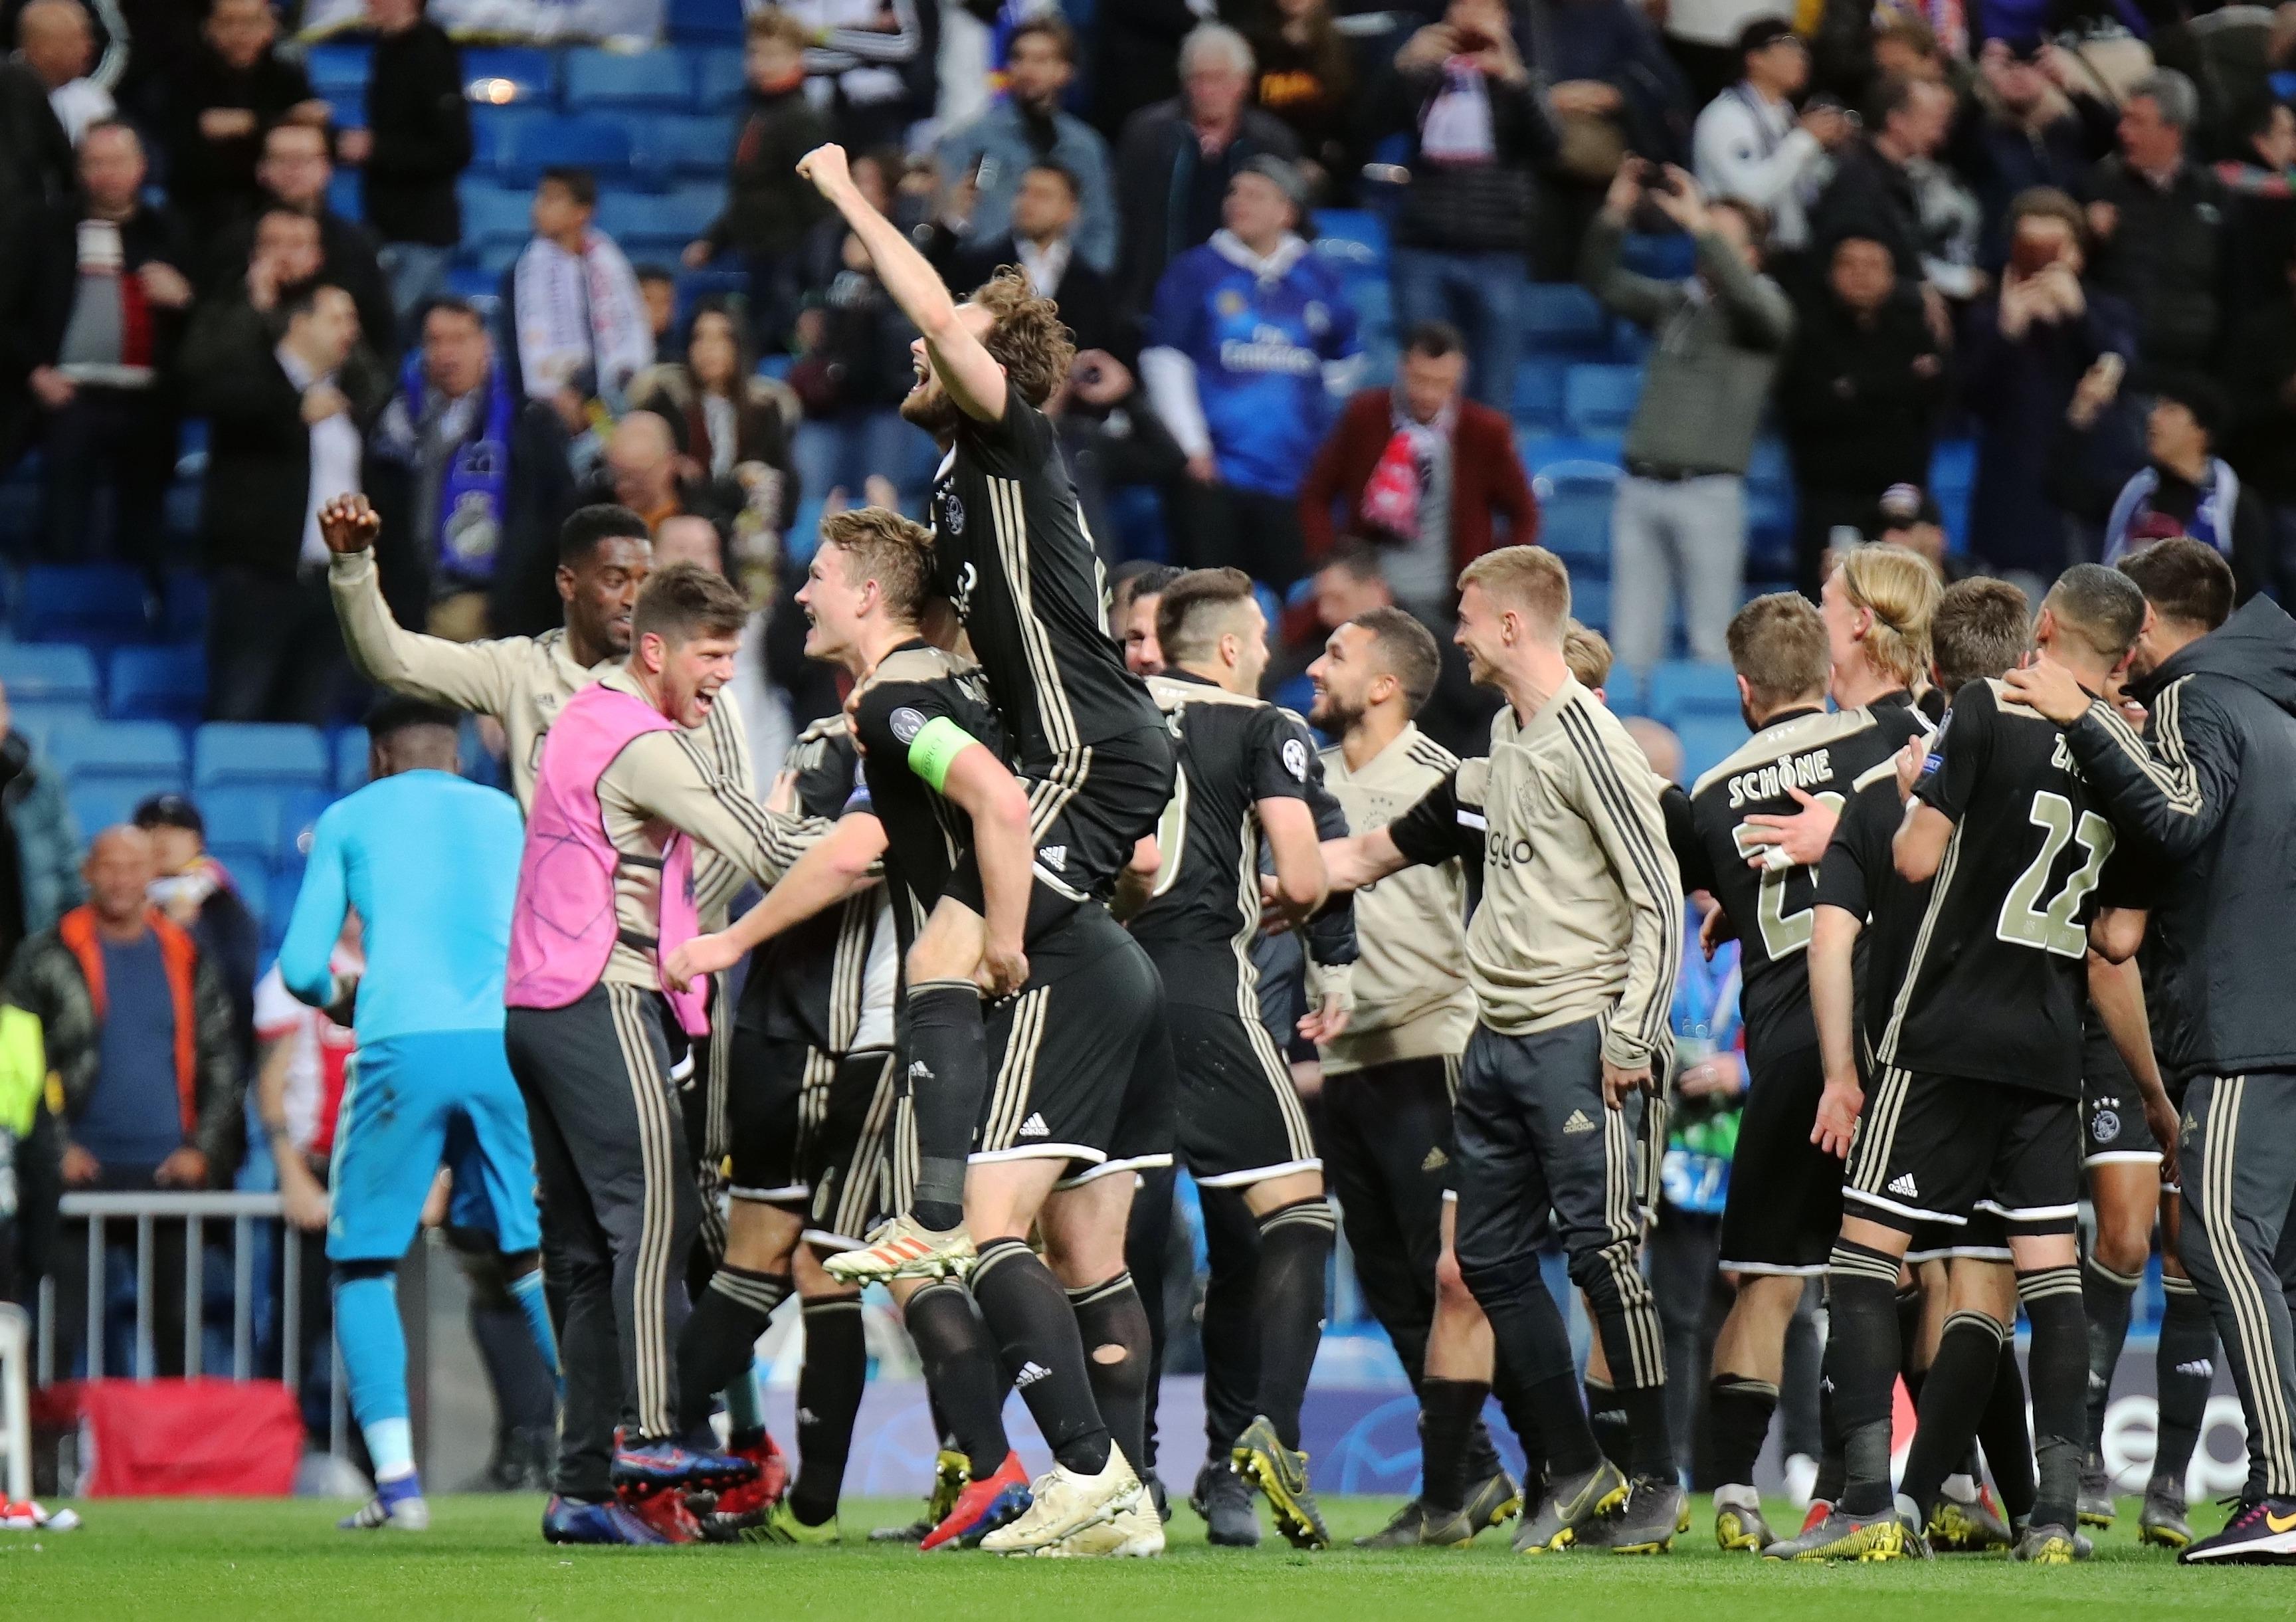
[(1823, 754), (1997, 971), (1011, 550), (1232, 752), (1859, 875), (806, 983)]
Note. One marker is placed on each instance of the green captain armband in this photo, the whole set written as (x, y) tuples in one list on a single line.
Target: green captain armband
[(935, 748)]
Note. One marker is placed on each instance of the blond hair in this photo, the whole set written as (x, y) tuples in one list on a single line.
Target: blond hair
[(1529, 578), (883, 546), (1588, 652), (1900, 588)]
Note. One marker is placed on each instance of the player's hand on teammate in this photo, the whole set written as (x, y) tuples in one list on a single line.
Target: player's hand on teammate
[(700, 958), (1274, 912), (1328, 1019), (1004, 967), (824, 166), (1720, 1075), (2051, 689), (1715, 931), (2161, 1116), (1803, 836), (349, 524), (1911, 759), (1620, 1080), (1838, 1109)]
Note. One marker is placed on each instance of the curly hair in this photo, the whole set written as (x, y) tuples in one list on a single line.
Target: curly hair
[(1029, 339)]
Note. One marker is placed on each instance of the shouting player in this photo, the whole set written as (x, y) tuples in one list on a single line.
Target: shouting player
[(1011, 551)]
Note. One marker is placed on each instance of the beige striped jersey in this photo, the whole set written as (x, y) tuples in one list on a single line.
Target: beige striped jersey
[(522, 682), (1411, 990)]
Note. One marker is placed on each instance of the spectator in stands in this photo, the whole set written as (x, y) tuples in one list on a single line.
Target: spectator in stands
[(1307, 77), (644, 473), (104, 302), (1178, 157), (1250, 339), (1679, 524), (1137, 60), (1465, 218), (2261, 373), (729, 424), (2031, 121), (1611, 91), (857, 52), (853, 371), (56, 40), (1751, 143), (1028, 129), (1859, 396), (36, 151), (223, 99), (2264, 164), (2051, 342), (138, 1028), (572, 304), (1042, 240), (769, 206), (2186, 489), (415, 145), (233, 319), (295, 173), (2157, 217), (197, 894), (1874, 193), (40, 843), (1110, 437), (1706, 39), (658, 286), (1431, 477), (286, 431), (473, 483), (1908, 516)]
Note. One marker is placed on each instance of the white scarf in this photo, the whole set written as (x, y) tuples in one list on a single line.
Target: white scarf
[(576, 311)]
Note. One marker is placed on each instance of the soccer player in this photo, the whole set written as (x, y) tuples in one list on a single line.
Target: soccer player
[(626, 787), (1977, 1069), (1011, 552), (428, 863), (1784, 1204), (1390, 1077), (1572, 955), (1245, 767)]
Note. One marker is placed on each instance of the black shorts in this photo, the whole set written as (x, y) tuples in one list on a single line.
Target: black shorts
[(1088, 811), (1784, 1209), (780, 1089), (1241, 1118), (2112, 1110), (816, 1134), (1984, 1238), (1066, 1056), (861, 1157), (1938, 1148)]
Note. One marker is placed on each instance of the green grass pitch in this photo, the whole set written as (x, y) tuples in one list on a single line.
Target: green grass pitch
[(179, 1561)]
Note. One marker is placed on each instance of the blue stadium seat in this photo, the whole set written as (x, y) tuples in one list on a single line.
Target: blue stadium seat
[(1601, 398), (235, 754), (254, 886), (683, 214), (705, 21), (350, 760), (494, 212), (242, 825), (1539, 393), (186, 605), (1562, 318), (1352, 241), (42, 721), (1590, 603), (48, 675), (1622, 689), (1541, 451), (1574, 514), (477, 280), (97, 602), (505, 75), (600, 144), (147, 754), (1707, 741), (299, 816), (103, 804), (169, 683), (495, 130), (346, 193), (347, 110), (619, 78), (338, 67), (670, 147), (1683, 688), (718, 86)]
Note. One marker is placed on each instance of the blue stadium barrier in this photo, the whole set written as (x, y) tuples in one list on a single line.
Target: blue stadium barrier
[(166, 683), (148, 753), (1600, 398), (1681, 690), (64, 674), (617, 78), (88, 603), (683, 213), (506, 76), (719, 85), (253, 884), (231, 754), (600, 144), (1707, 741)]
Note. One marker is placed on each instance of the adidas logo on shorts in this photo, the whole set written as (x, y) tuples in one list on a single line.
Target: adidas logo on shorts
[(1030, 1373), (1034, 1127), (1904, 1184), (1435, 1161), (1577, 1122), (1053, 856)]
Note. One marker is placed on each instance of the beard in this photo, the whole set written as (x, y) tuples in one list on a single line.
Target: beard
[(1328, 713), (929, 406)]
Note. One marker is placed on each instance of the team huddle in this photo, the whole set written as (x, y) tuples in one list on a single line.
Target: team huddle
[(1000, 987)]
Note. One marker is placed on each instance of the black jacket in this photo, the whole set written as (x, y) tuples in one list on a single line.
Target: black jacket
[(2167, 257), (36, 167), (1470, 208), (1870, 196), (2209, 799), (1161, 191), (1860, 402), (211, 180), (769, 206), (1087, 298), (40, 275), (347, 258), (421, 137), (2259, 364)]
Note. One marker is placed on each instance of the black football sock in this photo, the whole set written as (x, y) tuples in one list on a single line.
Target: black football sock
[(1738, 1412), (720, 1337), (1295, 1250), (960, 1366), (1952, 1399), (1514, 1402), (1112, 1323), (2058, 1360), (1861, 1359), (1606, 1417), (1028, 1312), (1535, 1368), (1480, 1460), (2105, 1300), (947, 1078), (1909, 1340), (828, 1399), (1448, 1412), (2184, 1370), (1826, 1485), (2002, 1433)]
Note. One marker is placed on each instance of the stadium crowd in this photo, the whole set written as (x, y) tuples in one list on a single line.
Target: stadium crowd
[(2064, 236)]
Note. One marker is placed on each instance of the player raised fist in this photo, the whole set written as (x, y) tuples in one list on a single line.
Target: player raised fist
[(348, 524), (824, 166)]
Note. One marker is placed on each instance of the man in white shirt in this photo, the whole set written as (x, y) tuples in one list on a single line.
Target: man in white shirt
[(1750, 142)]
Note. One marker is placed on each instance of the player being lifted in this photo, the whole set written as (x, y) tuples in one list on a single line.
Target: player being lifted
[(1011, 550), (1784, 1206), (1977, 1071)]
